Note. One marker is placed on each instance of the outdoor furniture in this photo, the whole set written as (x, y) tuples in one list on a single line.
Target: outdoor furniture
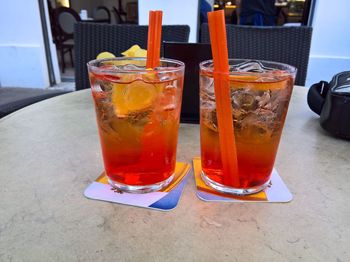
[(65, 18), (120, 14), (121, 17), (92, 39), (289, 45), (15, 98), (50, 153), (101, 14)]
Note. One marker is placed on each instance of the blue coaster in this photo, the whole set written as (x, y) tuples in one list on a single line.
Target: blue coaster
[(163, 200)]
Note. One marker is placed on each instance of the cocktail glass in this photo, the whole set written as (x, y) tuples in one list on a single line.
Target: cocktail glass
[(260, 92), (138, 111)]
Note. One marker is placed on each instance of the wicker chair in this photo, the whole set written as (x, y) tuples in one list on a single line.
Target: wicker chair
[(101, 14), (15, 98), (91, 39), (290, 45), (65, 18)]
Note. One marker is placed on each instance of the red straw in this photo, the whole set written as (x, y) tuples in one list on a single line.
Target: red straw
[(228, 151), (154, 38)]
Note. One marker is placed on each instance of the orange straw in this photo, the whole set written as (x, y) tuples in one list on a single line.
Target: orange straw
[(217, 29), (154, 38)]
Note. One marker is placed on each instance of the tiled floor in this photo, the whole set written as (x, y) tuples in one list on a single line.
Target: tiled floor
[(65, 86), (68, 75), (67, 78)]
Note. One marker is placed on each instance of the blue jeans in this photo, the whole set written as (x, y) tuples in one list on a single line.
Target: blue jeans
[(258, 19)]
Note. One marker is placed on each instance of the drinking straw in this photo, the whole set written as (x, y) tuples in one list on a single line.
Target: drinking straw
[(217, 29), (154, 38)]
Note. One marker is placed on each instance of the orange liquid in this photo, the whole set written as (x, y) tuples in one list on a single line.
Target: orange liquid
[(258, 129), (255, 161), (139, 149)]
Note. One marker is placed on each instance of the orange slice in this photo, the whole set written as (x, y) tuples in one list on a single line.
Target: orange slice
[(134, 97)]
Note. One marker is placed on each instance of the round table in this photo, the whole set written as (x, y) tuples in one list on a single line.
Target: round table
[(50, 153)]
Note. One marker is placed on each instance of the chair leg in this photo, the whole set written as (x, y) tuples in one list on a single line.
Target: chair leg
[(71, 57), (62, 59)]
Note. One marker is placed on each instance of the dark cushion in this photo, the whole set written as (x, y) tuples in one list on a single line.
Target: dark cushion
[(12, 99)]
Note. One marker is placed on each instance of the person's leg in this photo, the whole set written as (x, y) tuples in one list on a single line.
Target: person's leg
[(269, 20), (258, 19)]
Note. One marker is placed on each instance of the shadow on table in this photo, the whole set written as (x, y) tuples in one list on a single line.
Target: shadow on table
[(13, 99)]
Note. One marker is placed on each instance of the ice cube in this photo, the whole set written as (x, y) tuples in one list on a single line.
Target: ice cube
[(279, 98), (257, 124), (170, 88), (106, 86), (239, 114), (251, 66), (243, 99), (167, 99), (139, 118), (264, 99), (265, 116), (125, 132), (209, 119), (207, 84), (207, 97), (164, 77), (130, 67), (96, 87), (105, 114)]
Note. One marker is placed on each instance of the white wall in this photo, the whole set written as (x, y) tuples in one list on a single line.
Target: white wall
[(22, 52), (175, 12), (330, 47)]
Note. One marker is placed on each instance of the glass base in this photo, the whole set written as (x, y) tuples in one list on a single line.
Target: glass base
[(231, 190), (140, 189)]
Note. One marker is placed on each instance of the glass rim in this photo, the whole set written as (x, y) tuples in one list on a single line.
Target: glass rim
[(288, 68), (92, 65)]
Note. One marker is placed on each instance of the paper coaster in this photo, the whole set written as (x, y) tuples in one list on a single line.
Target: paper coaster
[(277, 191), (164, 200)]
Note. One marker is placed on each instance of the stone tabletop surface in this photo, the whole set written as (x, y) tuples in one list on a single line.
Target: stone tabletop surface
[(50, 153)]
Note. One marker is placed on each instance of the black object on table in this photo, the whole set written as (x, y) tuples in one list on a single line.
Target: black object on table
[(191, 54)]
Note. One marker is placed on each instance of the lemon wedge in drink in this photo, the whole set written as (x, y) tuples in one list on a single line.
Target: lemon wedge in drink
[(132, 98), (135, 51), (140, 53), (135, 96), (105, 55)]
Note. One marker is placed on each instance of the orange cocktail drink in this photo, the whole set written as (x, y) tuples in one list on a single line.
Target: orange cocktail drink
[(138, 113), (260, 92)]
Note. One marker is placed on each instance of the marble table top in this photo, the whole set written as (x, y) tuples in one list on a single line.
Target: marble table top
[(49, 154)]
